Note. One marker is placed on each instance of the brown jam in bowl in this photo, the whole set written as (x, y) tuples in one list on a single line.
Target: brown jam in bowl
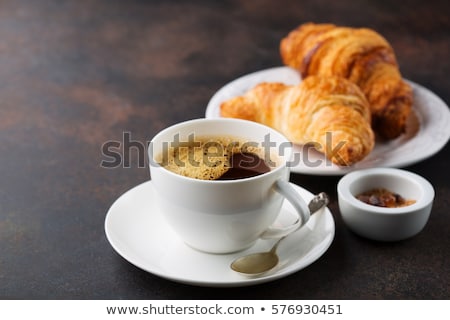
[(381, 197)]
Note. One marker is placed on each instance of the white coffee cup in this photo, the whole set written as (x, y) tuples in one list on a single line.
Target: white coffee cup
[(223, 216)]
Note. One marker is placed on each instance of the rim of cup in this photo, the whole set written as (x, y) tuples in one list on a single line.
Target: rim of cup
[(285, 157)]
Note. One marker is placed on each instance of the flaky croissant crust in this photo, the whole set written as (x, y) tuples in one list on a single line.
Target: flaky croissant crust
[(361, 55), (331, 113)]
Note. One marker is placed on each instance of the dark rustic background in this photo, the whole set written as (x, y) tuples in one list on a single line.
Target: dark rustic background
[(77, 74)]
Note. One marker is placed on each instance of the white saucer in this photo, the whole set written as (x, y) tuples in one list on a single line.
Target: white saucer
[(418, 143), (138, 232)]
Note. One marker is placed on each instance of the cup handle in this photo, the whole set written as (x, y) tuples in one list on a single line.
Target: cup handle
[(300, 206)]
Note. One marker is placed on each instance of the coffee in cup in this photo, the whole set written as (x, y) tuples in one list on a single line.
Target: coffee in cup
[(220, 183), (216, 158)]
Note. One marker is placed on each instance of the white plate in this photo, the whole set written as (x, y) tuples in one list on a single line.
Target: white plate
[(138, 232), (418, 143)]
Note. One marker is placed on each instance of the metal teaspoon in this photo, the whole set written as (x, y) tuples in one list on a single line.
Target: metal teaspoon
[(260, 262)]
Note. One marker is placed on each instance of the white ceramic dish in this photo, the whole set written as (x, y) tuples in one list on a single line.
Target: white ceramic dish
[(418, 143), (138, 232), (379, 223)]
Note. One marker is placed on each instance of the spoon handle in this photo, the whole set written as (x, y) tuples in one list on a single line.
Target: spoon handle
[(318, 202)]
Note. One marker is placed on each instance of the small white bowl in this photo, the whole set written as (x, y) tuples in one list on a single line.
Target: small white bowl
[(380, 223)]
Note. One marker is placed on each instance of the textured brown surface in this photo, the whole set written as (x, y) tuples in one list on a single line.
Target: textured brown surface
[(77, 74)]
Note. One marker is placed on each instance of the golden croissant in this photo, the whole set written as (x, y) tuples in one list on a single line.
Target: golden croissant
[(331, 113), (361, 55)]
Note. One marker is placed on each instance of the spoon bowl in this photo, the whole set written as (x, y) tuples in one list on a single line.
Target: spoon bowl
[(260, 262), (255, 263)]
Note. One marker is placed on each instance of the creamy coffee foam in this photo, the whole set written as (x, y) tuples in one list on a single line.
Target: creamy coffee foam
[(208, 158)]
